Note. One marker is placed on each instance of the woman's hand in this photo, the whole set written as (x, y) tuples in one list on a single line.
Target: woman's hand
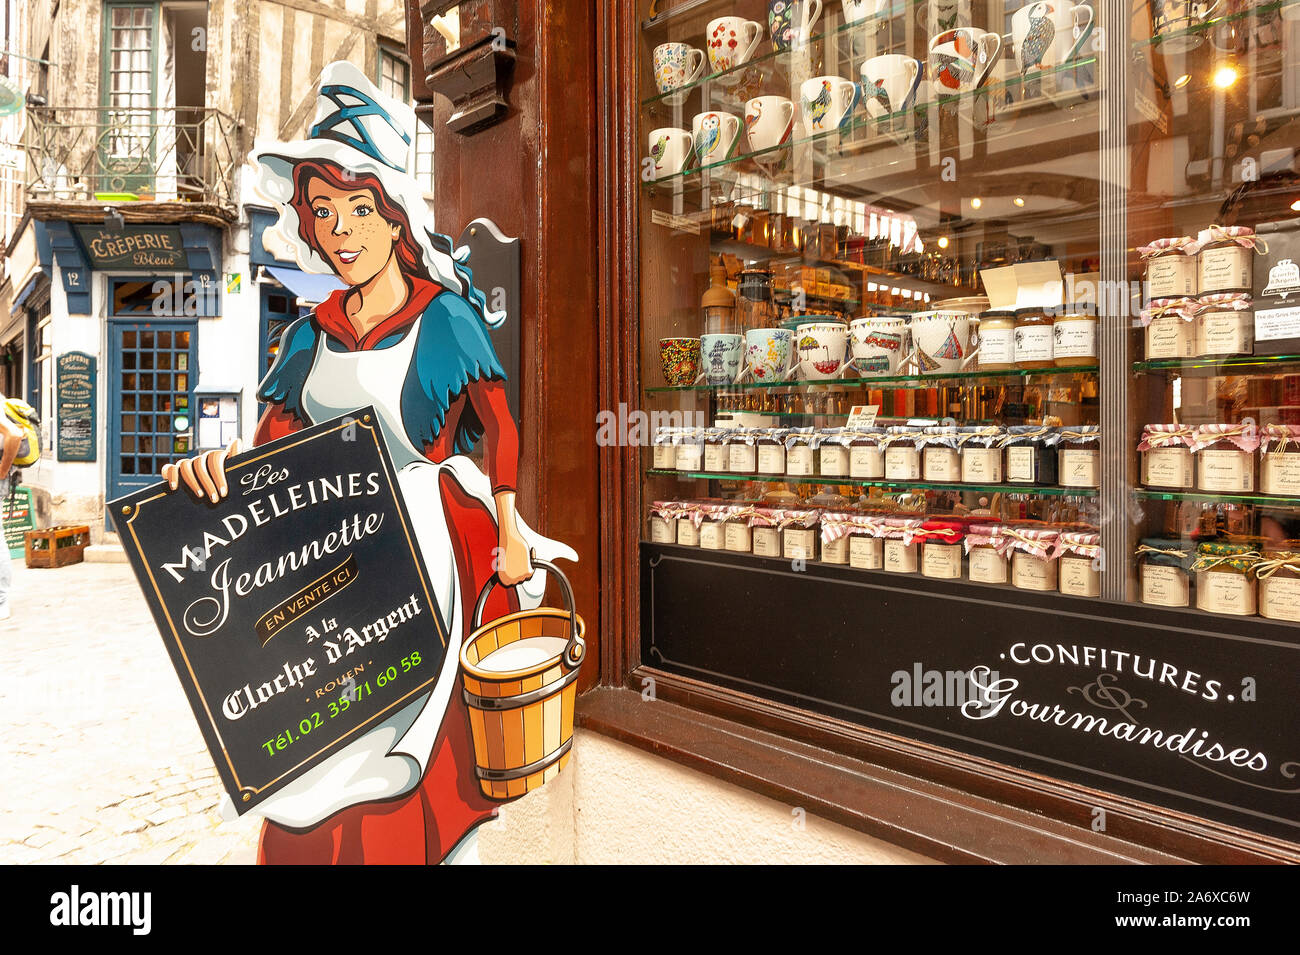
[(204, 474), (511, 560)]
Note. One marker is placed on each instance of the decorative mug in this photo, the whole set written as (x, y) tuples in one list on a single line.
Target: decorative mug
[(826, 103), (1172, 22), (855, 11), (936, 16), (889, 84), (670, 148), (878, 345), (768, 122), (714, 136), (821, 347), (677, 65), (720, 357), (960, 60), (767, 353), (1041, 39), (791, 22), (681, 360), (940, 341), (732, 41)]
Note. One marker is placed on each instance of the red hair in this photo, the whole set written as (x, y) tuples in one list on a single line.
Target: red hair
[(409, 255)]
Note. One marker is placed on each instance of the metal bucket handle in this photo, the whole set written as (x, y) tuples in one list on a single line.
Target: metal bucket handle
[(576, 648)]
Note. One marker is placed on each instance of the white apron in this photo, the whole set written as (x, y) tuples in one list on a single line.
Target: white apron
[(390, 759)]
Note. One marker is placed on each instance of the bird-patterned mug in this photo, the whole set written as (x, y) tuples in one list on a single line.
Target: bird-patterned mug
[(889, 84), (768, 122), (960, 60), (714, 135), (826, 103), (670, 150), (1048, 33)]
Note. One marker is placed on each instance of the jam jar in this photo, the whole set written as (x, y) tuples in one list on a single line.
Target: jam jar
[(832, 446), (900, 546), (1166, 456), (902, 457), (663, 522), (1164, 566), (1034, 331), (1033, 561), (799, 536), (1225, 578), (771, 450), (867, 454), (665, 449), (1279, 583), (690, 449), (939, 458), (689, 518), (866, 549), (1227, 259), (1079, 455), (997, 346), (1225, 457), (1170, 331), (1029, 458), (765, 534), (800, 459), (1074, 336), (737, 534), (742, 456), (715, 451), (986, 554), (1225, 325), (941, 548), (835, 529), (1078, 568), (981, 454), (1172, 267), (713, 526), (1279, 460)]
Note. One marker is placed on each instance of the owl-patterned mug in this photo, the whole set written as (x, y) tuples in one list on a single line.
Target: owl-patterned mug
[(1047, 33), (714, 135), (961, 59)]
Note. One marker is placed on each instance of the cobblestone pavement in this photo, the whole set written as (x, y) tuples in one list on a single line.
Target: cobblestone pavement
[(103, 760)]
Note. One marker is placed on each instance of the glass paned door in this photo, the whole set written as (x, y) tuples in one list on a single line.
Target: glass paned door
[(125, 145), (153, 375)]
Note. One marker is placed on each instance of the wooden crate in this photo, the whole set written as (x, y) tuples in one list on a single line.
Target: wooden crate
[(57, 546)]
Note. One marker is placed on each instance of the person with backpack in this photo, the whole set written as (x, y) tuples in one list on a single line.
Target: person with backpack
[(13, 437)]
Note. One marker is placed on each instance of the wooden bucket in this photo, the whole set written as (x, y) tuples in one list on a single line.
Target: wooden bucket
[(520, 677)]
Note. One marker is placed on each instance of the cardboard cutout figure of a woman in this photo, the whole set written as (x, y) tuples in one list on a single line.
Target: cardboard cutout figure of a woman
[(408, 336)]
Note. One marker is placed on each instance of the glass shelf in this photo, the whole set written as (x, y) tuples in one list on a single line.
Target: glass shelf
[(1200, 29), (901, 486), (1264, 500), (900, 381), (1210, 367)]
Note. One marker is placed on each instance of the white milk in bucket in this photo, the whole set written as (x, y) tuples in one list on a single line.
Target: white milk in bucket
[(523, 654)]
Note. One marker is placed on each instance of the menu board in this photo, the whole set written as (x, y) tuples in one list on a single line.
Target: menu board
[(297, 611), (74, 398)]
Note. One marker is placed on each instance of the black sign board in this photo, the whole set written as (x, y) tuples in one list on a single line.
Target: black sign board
[(74, 398), (1183, 709), (134, 246), (297, 611)]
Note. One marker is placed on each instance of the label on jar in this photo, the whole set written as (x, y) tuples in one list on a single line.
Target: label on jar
[(902, 463), (835, 460), (1225, 333), (662, 531), (1279, 473), (941, 560), (665, 456), (737, 537), (941, 464), (1279, 597), (866, 553), (742, 458), (836, 552), (1226, 471), (689, 457), (688, 533), (767, 542), (771, 459), (1165, 586), (866, 462), (1079, 578), (1272, 324), (899, 557), (1022, 465), (1171, 276), (1032, 573), (997, 346), (1080, 468), (1225, 591), (1226, 269), (715, 457), (981, 465), (1167, 467), (1033, 343), (987, 566), (799, 461), (800, 542), (1169, 337), (1075, 338), (711, 536)]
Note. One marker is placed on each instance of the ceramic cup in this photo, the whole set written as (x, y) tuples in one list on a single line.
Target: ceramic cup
[(677, 65), (855, 11), (714, 136), (889, 84), (1046, 34), (940, 341), (1171, 19), (767, 353), (878, 344), (681, 360), (768, 122), (731, 41), (791, 22), (670, 148), (961, 59), (821, 346), (720, 357), (826, 103), (936, 16)]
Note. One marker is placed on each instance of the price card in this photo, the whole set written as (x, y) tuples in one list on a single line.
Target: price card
[(862, 416)]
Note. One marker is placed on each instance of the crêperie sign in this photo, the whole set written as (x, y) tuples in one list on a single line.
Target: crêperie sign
[(134, 246)]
